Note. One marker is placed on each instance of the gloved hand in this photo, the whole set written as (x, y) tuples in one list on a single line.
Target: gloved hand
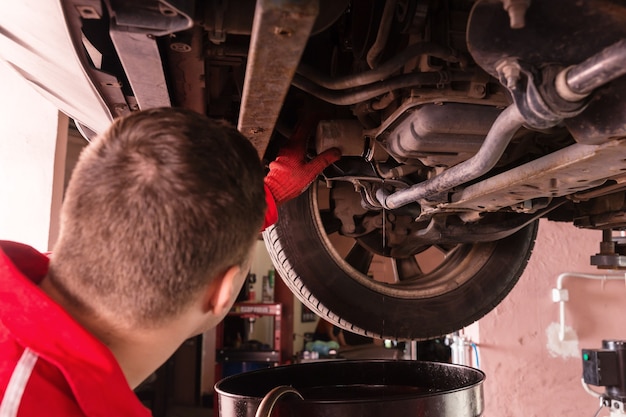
[(290, 173)]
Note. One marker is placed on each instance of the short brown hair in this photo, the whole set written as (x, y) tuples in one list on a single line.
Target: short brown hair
[(158, 204)]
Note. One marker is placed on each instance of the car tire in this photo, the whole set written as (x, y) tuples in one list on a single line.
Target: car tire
[(471, 280)]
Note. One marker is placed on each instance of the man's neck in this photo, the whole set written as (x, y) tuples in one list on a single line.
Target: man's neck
[(139, 352)]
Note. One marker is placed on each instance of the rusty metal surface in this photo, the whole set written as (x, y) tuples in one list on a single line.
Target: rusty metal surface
[(186, 64), (279, 34), (603, 118), (575, 168)]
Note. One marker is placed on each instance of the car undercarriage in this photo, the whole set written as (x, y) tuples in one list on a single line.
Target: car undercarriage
[(461, 124)]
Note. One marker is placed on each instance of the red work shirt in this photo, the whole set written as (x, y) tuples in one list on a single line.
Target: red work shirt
[(49, 364)]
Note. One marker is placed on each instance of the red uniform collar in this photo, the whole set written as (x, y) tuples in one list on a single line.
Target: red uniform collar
[(37, 322)]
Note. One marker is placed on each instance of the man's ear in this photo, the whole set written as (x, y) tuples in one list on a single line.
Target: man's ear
[(222, 291)]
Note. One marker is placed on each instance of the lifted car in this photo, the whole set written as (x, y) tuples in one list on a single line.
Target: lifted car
[(461, 123)]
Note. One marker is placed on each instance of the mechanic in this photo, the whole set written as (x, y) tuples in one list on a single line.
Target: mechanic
[(157, 228)]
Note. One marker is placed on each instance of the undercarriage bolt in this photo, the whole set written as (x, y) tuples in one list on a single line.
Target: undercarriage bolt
[(509, 70), (517, 12)]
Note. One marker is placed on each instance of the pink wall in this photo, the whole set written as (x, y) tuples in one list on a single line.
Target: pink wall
[(529, 371)]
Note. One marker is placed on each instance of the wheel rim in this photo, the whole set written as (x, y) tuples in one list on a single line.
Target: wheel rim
[(433, 272)]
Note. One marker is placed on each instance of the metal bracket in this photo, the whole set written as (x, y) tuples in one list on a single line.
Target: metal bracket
[(611, 252), (156, 18), (615, 407), (134, 27), (280, 31)]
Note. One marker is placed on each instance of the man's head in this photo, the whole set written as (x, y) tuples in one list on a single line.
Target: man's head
[(157, 206)]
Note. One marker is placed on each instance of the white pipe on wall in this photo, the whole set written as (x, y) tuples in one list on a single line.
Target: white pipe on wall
[(561, 295)]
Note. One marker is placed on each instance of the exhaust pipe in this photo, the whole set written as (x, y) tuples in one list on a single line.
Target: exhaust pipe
[(498, 138)]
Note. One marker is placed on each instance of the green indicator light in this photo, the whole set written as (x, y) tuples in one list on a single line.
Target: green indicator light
[(585, 356)]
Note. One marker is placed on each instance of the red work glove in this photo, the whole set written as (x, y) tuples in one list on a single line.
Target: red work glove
[(290, 173)]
